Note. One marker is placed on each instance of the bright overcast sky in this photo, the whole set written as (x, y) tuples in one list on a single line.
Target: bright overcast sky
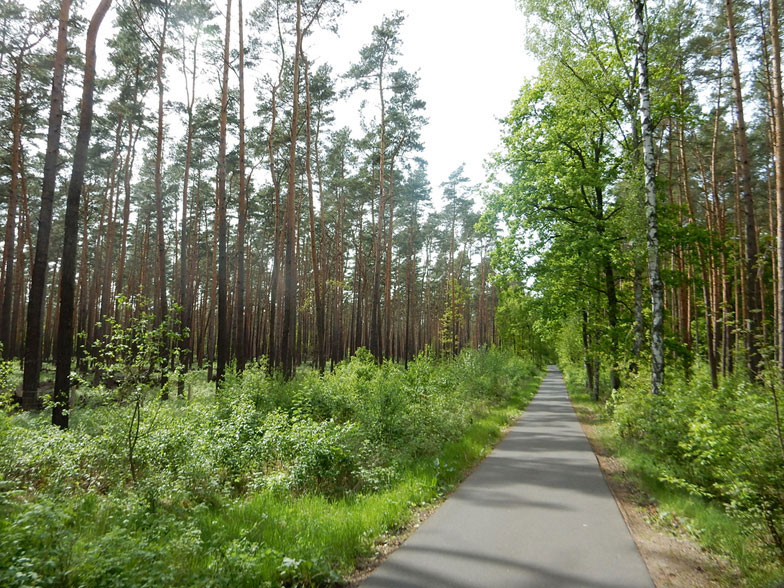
[(471, 61)]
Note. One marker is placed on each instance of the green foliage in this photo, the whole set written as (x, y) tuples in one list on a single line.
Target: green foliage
[(720, 445), (6, 390), (265, 483), (139, 355)]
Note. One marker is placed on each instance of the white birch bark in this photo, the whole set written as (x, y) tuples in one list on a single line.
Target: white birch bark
[(649, 164)]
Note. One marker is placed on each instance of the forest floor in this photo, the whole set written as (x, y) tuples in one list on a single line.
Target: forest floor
[(673, 558)]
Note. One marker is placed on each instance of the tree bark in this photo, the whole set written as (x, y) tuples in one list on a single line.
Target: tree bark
[(289, 330), (7, 337), (651, 214), (750, 253), (162, 301), (239, 307), (65, 332), (223, 319), (317, 291), (186, 317), (778, 158), (32, 362)]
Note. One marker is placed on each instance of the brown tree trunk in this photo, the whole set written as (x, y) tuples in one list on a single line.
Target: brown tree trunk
[(317, 291), (162, 304), (240, 351), (35, 306), (130, 156), (65, 333), (186, 315), (375, 321), (224, 340), (750, 252), (7, 338), (289, 330)]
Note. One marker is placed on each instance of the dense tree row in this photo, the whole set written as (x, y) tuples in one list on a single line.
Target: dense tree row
[(241, 215), (575, 207)]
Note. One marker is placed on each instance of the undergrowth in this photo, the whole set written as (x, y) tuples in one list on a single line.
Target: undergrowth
[(266, 483), (711, 459)]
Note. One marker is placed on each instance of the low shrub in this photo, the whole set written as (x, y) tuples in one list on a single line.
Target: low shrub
[(723, 445), (264, 483)]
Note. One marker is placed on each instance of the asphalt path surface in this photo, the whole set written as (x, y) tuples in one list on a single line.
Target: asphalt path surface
[(537, 512)]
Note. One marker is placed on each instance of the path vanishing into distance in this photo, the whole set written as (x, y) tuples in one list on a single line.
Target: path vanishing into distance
[(537, 512)]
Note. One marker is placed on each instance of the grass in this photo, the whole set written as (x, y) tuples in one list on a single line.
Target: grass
[(207, 507), (707, 522), (312, 528)]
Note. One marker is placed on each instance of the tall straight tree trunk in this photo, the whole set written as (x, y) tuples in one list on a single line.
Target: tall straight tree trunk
[(186, 358), (49, 326), (388, 265), (651, 214), (410, 273), (289, 330), (65, 332), (161, 299), (35, 306), (223, 319), (375, 322), (778, 158), (273, 345), (317, 291), (750, 253), (7, 337), (23, 236), (83, 297), (239, 306), (130, 156), (108, 260)]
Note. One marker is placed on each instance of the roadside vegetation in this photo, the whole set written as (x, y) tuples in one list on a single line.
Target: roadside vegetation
[(263, 483), (711, 461)]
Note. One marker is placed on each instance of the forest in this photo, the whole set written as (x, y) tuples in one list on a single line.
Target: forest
[(288, 238), (641, 190), (230, 318)]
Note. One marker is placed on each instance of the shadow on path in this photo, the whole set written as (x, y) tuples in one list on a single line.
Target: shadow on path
[(536, 513)]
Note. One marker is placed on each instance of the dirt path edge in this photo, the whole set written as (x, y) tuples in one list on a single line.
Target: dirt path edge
[(674, 559)]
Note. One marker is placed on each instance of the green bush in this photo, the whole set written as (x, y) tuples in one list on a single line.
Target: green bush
[(142, 491), (721, 444)]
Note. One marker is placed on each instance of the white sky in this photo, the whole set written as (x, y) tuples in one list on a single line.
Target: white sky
[(471, 62), (470, 58)]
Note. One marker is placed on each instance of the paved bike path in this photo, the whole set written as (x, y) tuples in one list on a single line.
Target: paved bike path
[(536, 513)]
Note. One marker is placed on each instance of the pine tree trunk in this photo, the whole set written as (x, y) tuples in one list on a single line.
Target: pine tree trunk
[(130, 156), (375, 320), (32, 366), (65, 333), (220, 212), (289, 330), (161, 301), (317, 291), (240, 351), (186, 316), (7, 337), (273, 344), (750, 253)]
